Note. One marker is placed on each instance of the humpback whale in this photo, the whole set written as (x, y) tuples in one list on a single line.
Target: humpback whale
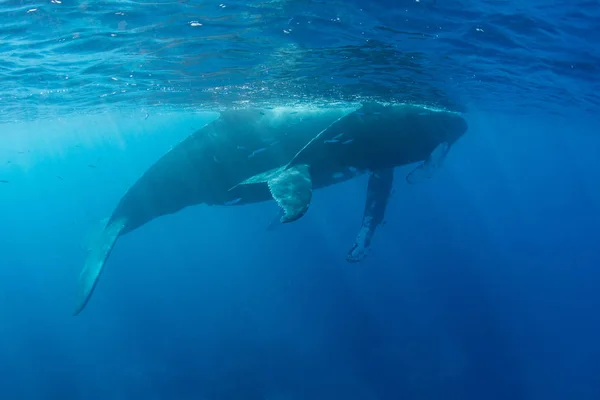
[(253, 155)]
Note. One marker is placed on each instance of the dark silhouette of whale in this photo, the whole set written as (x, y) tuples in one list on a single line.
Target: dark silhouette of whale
[(253, 155)]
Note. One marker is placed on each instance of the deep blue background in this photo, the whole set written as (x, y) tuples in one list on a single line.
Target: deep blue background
[(482, 284)]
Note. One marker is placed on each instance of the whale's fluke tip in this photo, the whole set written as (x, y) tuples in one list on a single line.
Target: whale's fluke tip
[(95, 263)]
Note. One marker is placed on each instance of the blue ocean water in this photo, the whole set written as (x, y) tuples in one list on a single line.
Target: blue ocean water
[(483, 284)]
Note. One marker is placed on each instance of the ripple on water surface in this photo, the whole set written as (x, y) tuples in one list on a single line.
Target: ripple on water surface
[(80, 57)]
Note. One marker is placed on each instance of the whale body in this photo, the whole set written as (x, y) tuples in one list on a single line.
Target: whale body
[(283, 154)]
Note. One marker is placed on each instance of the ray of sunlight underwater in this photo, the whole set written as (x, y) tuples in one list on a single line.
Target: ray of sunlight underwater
[(482, 280)]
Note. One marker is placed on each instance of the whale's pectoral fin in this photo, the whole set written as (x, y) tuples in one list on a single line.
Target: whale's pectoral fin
[(291, 188), (95, 262), (426, 169), (378, 194)]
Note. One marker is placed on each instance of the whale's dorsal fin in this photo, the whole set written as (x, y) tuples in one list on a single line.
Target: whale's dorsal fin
[(291, 188), (426, 169)]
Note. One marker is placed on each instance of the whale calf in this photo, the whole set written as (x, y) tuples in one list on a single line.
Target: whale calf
[(283, 154)]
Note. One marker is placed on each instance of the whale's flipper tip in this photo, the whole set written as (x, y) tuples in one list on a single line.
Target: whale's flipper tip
[(361, 246), (94, 264), (427, 168)]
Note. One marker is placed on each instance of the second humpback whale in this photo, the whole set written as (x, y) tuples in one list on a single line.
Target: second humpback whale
[(253, 155)]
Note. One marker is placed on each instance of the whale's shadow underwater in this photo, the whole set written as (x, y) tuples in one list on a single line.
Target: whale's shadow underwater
[(253, 155)]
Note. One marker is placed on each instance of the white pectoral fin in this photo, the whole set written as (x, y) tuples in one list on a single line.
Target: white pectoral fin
[(292, 190), (427, 168), (290, 187)]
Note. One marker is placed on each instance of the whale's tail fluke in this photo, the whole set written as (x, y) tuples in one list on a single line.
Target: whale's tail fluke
[(95, 262)]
